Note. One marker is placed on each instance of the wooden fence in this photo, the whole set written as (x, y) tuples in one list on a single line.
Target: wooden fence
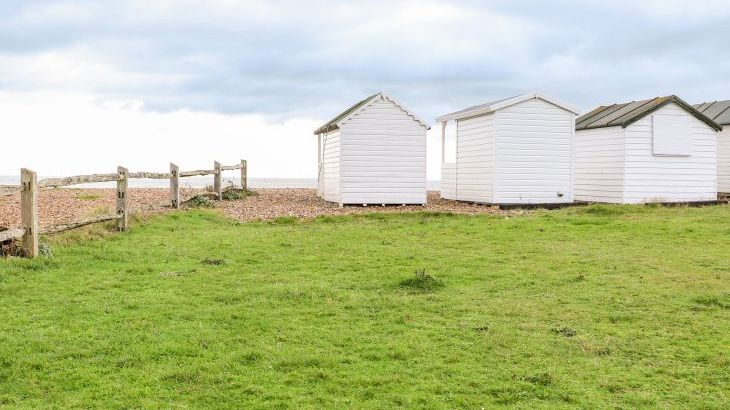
[(30, 186)]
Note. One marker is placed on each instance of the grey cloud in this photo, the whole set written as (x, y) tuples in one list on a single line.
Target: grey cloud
[(307, 61)]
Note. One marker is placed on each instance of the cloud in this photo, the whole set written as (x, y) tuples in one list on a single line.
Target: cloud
[(289, 62), (78, 133)]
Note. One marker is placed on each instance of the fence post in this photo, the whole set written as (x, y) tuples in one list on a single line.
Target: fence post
[(175, 185), (122, 183), (217, 188), (29, 212), (244, 175)]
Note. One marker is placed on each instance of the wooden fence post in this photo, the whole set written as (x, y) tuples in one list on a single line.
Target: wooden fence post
[(29, 212), (175, 185), (244, 175), (122, 183), (217, 188)]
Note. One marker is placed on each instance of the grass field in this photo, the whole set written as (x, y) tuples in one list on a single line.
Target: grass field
[(584, 307)]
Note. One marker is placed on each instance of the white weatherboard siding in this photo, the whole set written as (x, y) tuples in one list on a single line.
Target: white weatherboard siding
[(475, 158), (448, 181), (533, 154), (330, 184), (670, 178), (723, 160), (598, 161), (383, 156)]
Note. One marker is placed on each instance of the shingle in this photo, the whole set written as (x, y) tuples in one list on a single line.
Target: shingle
[(718, 111), (596, 115), (626, 114)]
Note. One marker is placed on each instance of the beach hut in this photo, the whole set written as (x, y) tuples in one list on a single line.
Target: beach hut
[(656, 150), (512, 151), (373, 153), (719, 111)]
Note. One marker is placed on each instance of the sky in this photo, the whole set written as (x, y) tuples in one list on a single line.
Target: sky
[(86, 85)]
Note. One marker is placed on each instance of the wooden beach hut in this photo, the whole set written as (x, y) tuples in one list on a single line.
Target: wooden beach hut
[(656, 150), (719, 111), (516, 150), (373, 153)]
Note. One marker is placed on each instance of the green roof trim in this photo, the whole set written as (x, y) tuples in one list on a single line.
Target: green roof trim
[(331, 125), (626, 114)]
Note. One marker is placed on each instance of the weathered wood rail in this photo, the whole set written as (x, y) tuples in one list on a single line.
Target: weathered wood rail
[(29, 188)]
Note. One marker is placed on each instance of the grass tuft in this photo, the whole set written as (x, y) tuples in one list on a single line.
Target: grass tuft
[(214, 262), (714, 301), (422, 282), (564, 331)]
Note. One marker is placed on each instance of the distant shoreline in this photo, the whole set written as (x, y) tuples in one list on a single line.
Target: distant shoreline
[(202, 182)]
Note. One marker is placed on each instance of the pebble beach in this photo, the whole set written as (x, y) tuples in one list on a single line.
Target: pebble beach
[(60, 206)]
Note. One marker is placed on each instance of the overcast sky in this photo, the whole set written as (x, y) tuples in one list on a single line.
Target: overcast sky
[(87, 84)]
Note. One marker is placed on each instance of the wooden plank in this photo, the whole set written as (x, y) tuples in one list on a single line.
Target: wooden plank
[(244, 174), (196, 172), (11, 234), (29, 212), (230, 167), (149, 175), (6, 190), (76, 180), (122, 183), (175, 185), (78, 224), (217, 186)]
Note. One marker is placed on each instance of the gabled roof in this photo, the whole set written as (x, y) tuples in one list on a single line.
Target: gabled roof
[(626, 114), (334, 123), (504, 103), (718, 111)]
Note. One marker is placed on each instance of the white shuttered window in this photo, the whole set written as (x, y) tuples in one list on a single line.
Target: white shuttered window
[(671, 134)]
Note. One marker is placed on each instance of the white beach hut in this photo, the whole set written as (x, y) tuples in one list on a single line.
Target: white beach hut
[(373, 153), (512, 151), (657, 150), (719, 111)]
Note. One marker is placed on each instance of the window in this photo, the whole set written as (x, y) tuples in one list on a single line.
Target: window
[(671, 134), (449, 145)]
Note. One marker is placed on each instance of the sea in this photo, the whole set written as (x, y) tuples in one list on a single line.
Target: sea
[(201, 182)]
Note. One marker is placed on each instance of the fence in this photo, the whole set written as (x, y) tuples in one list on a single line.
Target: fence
[(30, 186)]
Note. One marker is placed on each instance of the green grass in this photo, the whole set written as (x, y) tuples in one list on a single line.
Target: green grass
[(87, 197), (603, 306)]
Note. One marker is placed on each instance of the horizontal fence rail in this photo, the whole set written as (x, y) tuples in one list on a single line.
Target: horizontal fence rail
[(76, 180), (9, 189), (30, 186)]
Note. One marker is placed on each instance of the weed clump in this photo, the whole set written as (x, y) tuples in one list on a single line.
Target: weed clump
[(421, 282), (198, 201), (565, 331), (214, 262), (233, 194), (44, 249)]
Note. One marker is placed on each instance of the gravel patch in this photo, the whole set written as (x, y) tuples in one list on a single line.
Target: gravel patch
[(304, 203), (60, 206)]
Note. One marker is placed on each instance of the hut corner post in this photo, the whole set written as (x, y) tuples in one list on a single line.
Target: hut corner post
[(29, 212), (122, 183), (244, 174), (175, 185), (217, 188)]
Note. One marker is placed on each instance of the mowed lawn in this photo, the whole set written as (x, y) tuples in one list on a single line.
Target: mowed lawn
[(602, 306)]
